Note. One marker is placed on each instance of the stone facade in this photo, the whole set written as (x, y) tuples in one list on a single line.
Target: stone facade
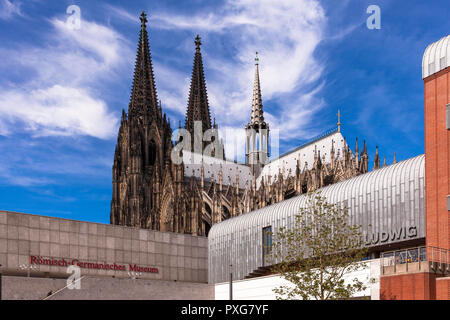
[(176, 256), (103, 288)]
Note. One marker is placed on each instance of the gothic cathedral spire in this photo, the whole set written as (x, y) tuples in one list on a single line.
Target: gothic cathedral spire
[(143, 147), (257, 130), (144, 99), (257, 115), (198, 107)]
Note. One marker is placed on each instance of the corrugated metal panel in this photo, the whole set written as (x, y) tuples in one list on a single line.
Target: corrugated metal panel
[(436, 57), (382, 201)]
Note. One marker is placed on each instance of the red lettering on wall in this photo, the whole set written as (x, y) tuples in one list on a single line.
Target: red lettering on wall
[(89, 265)]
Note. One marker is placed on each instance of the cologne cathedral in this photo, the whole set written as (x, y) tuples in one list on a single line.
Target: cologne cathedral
[(150, 191)]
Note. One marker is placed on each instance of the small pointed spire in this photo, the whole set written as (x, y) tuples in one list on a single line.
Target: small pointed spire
[(395, 159), (376, 161), (384, 162), (332, 155), (339, 120), (257, 115)]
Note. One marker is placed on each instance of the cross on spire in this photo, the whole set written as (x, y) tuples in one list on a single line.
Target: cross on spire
[(143, 18), (198, 42)]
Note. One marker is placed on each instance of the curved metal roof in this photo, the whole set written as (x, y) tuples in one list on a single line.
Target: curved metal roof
[(381, 201), (436, 57), (392, 175)]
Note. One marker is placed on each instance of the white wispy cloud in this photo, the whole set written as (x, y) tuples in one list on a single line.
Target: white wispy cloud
[(58, 110), (60, 97), (8, 176), (8, 9), (122, 14)]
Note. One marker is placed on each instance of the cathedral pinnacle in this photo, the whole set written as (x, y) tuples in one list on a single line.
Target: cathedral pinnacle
[(198, 42), (144, 98), (339, 120), (257, 116), (198, 106), (143, 18)]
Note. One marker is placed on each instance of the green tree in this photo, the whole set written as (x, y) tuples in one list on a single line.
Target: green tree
[(316, 253)]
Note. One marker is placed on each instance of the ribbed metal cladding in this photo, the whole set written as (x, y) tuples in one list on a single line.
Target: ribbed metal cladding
[(436, 57), (388, 203)]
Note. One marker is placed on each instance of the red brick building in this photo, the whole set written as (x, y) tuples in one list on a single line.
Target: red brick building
[(429, 284)]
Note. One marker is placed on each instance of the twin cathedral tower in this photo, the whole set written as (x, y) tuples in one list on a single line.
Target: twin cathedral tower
[(152, 191)]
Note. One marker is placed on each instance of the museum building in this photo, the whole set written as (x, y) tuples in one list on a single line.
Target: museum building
[(404, 211)]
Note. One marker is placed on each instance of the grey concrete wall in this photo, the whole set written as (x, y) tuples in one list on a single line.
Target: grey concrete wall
[(177, 256), (104, 288)]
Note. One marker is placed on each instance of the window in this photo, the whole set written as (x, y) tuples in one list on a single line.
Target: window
[(267, 240)]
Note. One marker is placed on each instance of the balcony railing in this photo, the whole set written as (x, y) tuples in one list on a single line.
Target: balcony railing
[(415, 259)]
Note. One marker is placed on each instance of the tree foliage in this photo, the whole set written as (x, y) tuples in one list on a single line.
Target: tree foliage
[(316, 253)]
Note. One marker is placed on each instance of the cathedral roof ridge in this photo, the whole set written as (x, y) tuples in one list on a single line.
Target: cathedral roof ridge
[(207, 160), (313, 140)]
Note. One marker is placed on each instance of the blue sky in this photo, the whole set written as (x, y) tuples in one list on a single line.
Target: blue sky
[(62, 90)]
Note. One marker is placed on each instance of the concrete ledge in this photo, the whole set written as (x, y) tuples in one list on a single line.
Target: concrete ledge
[(102, 288)]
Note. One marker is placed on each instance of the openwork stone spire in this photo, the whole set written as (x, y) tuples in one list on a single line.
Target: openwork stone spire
[(144, 99), (257, 131), (257, 116), (198, 107)]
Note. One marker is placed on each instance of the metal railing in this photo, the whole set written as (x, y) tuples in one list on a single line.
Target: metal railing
[(400, 258)]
